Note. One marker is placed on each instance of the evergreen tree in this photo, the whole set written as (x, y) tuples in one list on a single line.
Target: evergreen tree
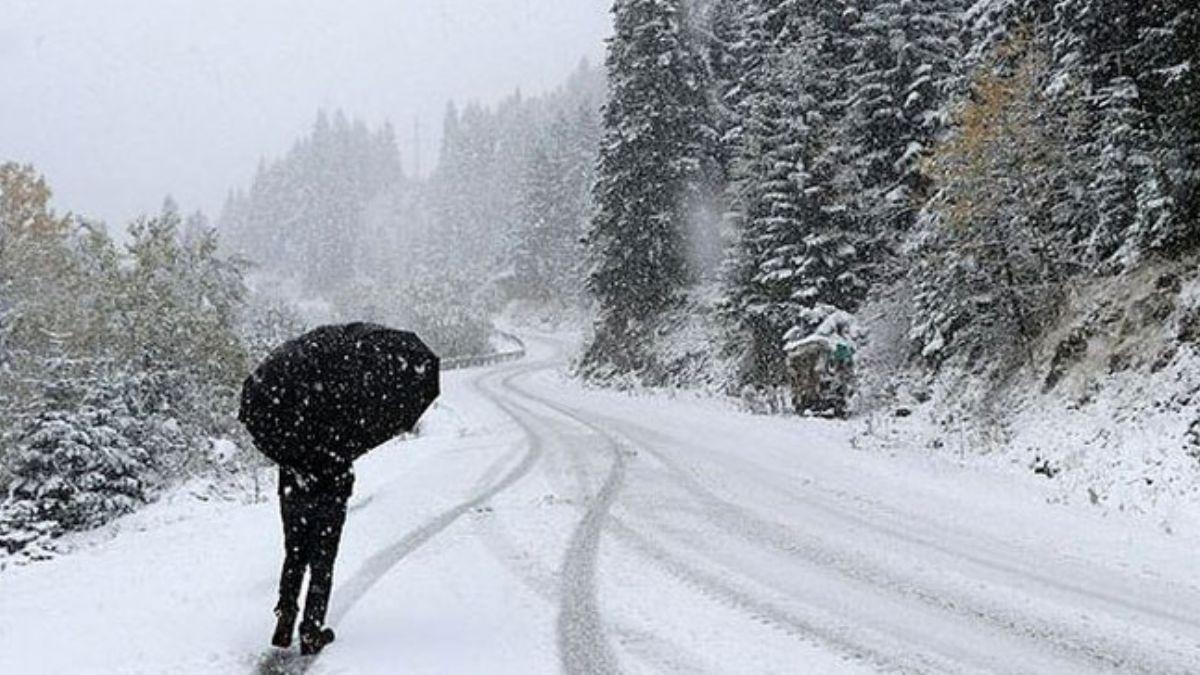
[(1118, 184), (305, 216), (554, 211), (654, 160), (993, 249), (1135, 61), (765, 202), (729, 57), (74, 462), (797, 256), (902, 73)]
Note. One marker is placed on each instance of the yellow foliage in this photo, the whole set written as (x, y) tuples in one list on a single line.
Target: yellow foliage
[(25, 204), (39, 282), (1007, 145)]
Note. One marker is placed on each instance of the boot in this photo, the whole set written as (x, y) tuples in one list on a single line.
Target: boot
[(313, 641), (284, 627)]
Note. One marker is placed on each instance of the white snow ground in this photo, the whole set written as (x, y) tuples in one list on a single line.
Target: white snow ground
[(541, 527)]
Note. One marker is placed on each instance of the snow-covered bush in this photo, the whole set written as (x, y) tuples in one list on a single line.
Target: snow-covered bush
[(73, 454), (117, 367), (96, 440), (452, 329), (821, 362), (75, 469)]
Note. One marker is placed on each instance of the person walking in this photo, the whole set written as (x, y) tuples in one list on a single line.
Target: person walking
[(313, 406), (313, 509)]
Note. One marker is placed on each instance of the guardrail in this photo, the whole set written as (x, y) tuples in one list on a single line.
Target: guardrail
[(476, 361)]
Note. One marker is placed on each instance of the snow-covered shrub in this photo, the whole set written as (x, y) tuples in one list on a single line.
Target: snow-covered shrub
[(821, 362), (455, 324), (77, 468), (98, 440), (76, 454)]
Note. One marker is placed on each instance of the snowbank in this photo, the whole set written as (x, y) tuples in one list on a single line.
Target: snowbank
[(1102, 414)]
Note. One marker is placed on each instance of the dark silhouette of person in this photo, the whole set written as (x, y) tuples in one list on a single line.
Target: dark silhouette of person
[(313, 507)]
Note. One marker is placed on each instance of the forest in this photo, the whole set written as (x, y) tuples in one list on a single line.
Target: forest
[(975, 156)]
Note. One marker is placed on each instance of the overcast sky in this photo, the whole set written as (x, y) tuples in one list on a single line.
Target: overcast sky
[(124, 101)]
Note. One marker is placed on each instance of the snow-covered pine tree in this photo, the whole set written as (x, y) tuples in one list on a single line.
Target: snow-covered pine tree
[(1183, 78), (762, 200), (654, 162), (553, 211), (989, 23), (797, 256), (304, 215), (907, 55), (1134, 60), (73, 462), (555, 166), (1168, 53), (1121, 141), (470, 214), (729, 59)]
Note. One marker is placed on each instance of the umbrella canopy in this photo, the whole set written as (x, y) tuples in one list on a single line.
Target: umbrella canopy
[(330, 395)]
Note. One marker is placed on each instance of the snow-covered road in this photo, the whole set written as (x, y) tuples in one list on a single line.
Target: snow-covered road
[(541, 527)]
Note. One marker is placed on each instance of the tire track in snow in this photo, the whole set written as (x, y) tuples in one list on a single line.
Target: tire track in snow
[(1060, 637), (644, 646), (708, 585), (378, 565), (826, 632), (1057, 638), (542, 582), (583, 645), (834, 639)]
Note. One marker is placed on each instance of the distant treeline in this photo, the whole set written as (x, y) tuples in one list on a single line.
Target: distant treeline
[(499, 218)]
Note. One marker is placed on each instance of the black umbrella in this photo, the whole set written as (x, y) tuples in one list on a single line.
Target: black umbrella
[(332, 394)]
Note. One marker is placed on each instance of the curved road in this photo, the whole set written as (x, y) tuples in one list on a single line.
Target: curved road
[(677, 536)]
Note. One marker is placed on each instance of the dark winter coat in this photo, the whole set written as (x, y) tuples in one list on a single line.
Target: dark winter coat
[(334, 484)]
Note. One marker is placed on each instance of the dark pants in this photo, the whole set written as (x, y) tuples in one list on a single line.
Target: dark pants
[(312, 529)]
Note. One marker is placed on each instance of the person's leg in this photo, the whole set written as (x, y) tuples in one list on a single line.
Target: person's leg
[(292, 575), (328, 520)]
